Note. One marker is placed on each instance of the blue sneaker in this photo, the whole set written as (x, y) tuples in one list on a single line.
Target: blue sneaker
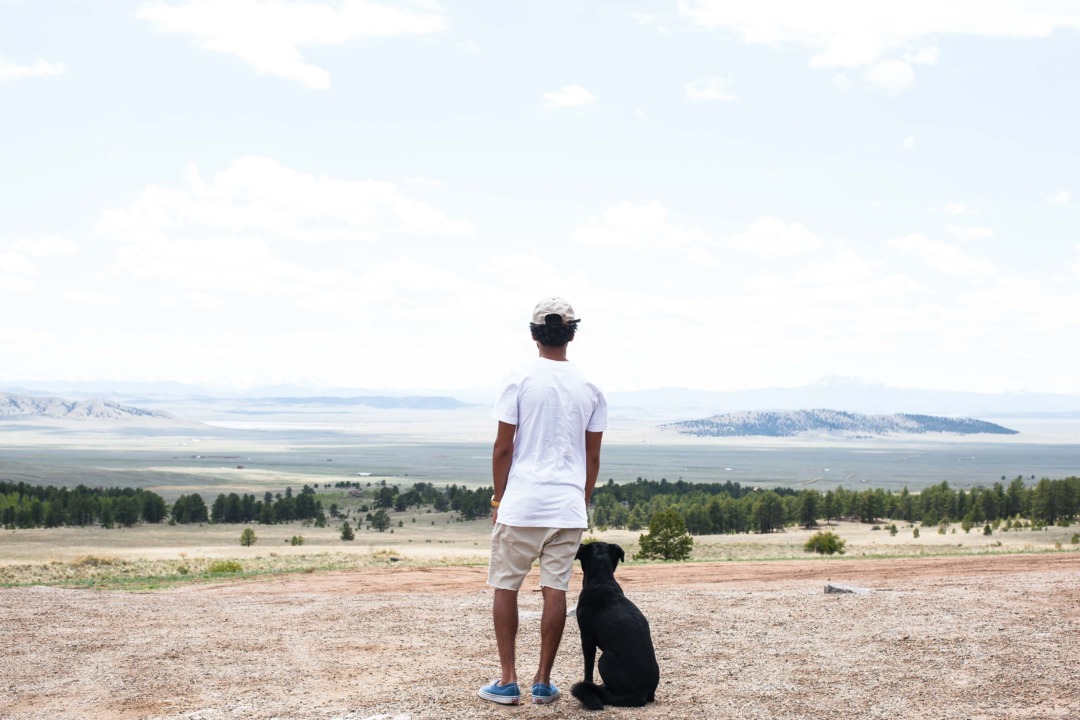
[(502, 694), (543, 694)]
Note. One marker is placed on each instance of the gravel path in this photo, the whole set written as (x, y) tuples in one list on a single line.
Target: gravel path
[(965, 637)]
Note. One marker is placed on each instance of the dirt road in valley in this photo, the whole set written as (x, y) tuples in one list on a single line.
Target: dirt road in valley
[(983, 637)]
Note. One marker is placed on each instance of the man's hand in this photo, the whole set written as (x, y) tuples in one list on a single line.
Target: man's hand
[(494, 516)]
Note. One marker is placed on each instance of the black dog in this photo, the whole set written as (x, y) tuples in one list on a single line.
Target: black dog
[(609, 621)]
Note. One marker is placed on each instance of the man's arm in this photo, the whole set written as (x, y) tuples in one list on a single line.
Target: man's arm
[(501, 457), (592, 463)]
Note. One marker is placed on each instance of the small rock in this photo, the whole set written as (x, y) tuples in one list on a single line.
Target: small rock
[(841, 588)]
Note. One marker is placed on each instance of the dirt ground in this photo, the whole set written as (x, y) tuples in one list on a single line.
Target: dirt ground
[(952, 637)]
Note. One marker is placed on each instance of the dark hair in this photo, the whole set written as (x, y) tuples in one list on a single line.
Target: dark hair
[(553, 333)]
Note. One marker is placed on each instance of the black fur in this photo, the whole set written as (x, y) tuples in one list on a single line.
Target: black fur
[(610, 621)]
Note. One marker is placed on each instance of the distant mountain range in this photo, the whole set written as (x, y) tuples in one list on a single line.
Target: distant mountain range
[(384, 402), (832, 422), (53, 407), (846, 394)]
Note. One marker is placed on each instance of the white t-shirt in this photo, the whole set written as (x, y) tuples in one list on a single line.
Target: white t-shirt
[(552, 406)]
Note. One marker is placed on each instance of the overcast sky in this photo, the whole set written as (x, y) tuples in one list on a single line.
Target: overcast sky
[(731, 194)]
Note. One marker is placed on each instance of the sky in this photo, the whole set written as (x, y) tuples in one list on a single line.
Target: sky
[(366, 194)]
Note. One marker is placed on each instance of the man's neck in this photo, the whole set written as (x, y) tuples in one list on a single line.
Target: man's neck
[(552, 353)]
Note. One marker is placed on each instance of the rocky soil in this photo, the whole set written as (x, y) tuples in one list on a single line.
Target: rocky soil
[(963, 637)]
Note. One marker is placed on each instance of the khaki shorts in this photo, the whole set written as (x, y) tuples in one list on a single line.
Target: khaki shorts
[(514, 549)]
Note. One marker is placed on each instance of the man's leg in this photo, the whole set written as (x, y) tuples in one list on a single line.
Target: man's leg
[(552, 623), (505, 614)]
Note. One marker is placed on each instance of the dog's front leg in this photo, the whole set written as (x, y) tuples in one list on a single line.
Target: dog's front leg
[(588, 649)]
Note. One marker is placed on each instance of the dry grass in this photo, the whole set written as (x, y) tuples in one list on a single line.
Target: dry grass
[(149, 557)]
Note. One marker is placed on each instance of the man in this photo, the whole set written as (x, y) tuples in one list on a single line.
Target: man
[(545, 464)]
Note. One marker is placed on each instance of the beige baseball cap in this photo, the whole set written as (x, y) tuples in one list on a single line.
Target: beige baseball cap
[(553, 306)]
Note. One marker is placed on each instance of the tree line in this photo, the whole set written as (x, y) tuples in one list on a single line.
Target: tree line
[(29, 506), (706, 508), (271, 509), (719, 508)]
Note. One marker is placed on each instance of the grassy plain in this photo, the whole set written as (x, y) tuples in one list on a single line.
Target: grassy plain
[(271, 453), (150, 556)]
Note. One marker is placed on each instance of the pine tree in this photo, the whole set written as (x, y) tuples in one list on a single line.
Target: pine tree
[(667, 538)]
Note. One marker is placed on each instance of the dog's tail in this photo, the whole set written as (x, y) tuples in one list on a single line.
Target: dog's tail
[(595, 697), (591, 695)]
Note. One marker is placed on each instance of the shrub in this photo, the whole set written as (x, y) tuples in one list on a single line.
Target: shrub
[(825, 543), (347, 533), (893, 530), (915, 533), (987, 530), (1075, 539), (92, 561), (667, 538), (247, 538), (297, 540), (183, 569), (220, 567), (380, 520)]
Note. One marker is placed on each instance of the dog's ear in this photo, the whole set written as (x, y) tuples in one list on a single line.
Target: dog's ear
[(617, 554), (580, 554)]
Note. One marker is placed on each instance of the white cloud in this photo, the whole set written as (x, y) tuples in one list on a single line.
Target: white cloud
[(925, 56), (943, 257), (240, 231), (16, 273), (89, 297), (710, 88), (204, 301), (223, 262), (17, 270), (12, 263), (15, 283), (639, 227), (768, 237), (890, 76), (259, 195), (841, 82), (15, 71), (887, 38), (269, 34), (958, 208), (972, 232), (1061, 197), (45, 246), (568, 96), (909, 143)]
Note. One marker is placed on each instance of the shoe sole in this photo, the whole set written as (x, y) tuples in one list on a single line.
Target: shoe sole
[(501, 699), (545, 699)]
